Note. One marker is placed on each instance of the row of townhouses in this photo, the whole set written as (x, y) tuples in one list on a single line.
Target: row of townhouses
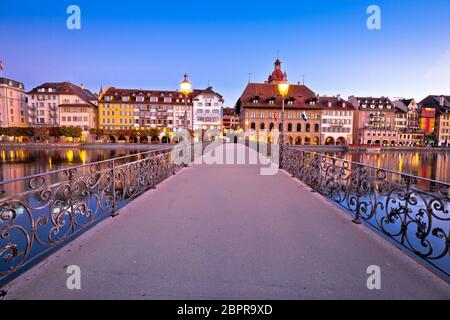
[(68, 105), (311, 119), (168, 110)]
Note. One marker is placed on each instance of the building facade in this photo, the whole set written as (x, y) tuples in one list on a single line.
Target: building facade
[(439, 107), (13, 104), (63, 104), (407, 122), (374, 122), (260, 109), (337, 121), (208, 106), (230, 120), (127, 109)]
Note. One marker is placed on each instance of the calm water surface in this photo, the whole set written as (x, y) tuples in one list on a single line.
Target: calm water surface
[(19, 162), (427, 164)]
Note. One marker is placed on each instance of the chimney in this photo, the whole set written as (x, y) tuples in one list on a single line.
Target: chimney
[(82, 86), (441, 101)]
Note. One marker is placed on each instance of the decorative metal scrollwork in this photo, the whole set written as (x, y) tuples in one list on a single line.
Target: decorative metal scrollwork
[(42, 212), (411, 211)]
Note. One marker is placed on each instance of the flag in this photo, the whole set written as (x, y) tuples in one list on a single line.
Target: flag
[(304, 116), (1, 65)]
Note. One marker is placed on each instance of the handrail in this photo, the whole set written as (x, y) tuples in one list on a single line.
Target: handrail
[(82, 166), (415, 219), (373, 167), (49, 212)]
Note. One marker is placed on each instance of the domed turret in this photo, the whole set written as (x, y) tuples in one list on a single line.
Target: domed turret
[(277, 75)]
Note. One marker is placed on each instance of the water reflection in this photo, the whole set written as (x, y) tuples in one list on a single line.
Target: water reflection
[(427, 164), (20, 162)]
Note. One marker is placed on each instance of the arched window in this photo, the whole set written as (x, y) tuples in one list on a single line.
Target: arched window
[(253, 126), (316, 128), (280, 127), (271, 126), (262, 126), (299, 127), (308, 127), (289, 127)]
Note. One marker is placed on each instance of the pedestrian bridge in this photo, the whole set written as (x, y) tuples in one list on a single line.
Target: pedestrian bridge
[(221, 231)]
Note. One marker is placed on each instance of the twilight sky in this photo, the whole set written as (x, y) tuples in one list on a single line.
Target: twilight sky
[(150, 44)]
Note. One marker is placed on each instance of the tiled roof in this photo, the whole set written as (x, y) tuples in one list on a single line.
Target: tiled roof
[(259, 95), (11, 83), (366, 103), (229, 112), (407, 102), (400, 106), (65, 88), (335, 103), (435, 103), (116, 95), (208, 90)]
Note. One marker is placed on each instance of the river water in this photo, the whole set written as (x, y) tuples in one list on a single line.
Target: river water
[(19, 162), (429, 164)]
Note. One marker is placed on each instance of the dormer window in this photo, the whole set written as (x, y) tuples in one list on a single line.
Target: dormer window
[(125, 99), (329, 104), (271, 101), (256, 100), (290, 102)]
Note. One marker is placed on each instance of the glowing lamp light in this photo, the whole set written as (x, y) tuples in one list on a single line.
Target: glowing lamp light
[(186, 86), (283, 88)]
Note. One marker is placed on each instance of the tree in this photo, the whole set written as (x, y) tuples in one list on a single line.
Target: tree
[(75, 132), (55, 132), (97, 132), (154, 133), (42, 132)]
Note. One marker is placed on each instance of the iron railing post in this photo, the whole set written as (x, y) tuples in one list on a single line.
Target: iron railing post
[(357, 219), (114, 208)]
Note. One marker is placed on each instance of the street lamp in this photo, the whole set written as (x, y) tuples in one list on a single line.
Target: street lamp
[(283, 88), (186, 87)]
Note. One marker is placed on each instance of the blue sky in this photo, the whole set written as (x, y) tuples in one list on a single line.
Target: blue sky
[(150, 44)]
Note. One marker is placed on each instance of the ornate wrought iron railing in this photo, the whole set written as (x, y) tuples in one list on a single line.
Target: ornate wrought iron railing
[(41, 213), (411, 211)]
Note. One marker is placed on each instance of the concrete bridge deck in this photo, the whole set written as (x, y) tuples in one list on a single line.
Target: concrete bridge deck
[(226, 232)]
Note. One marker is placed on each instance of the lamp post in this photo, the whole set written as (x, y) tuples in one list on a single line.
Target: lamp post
[(186, 87), (283, 88)]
